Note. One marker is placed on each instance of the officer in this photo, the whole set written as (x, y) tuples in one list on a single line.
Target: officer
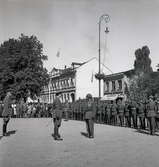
[(7, 112), (57, 115), (151, 113), (89, 115)]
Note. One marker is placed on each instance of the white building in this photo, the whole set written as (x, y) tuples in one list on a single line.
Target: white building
[(75, 82)]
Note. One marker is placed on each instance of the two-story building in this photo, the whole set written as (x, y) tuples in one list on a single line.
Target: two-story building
[(116, 85)]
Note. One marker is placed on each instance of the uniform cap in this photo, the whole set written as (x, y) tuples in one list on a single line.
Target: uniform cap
[(89, 96)]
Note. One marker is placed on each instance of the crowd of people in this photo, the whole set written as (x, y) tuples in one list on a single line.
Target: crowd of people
[(141, 114)]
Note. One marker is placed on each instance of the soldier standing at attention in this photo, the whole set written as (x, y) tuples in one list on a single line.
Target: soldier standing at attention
[(127, 114), (133, 113), (151, 113), (57, 116), (141, 114), (114, 113), (89, 115), (120, 109), (7, 112)]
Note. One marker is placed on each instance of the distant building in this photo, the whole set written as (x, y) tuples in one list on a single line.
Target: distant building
[(74, 82), (117, 85)]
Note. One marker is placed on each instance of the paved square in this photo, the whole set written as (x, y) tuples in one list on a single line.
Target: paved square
[(31, 145)]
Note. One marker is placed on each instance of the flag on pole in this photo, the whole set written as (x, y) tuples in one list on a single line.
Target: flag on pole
[(58, 54), (92, 76)]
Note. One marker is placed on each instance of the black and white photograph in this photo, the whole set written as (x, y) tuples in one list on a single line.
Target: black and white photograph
[(79, 83)]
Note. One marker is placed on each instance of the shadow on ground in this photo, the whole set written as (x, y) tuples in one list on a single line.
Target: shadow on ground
[(84, 134), (12, 132)]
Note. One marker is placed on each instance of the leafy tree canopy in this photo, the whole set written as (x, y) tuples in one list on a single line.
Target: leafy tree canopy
[(21, 67), (142, 62)]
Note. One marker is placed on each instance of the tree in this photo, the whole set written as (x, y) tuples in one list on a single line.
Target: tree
[(21, 67), (142, 62)]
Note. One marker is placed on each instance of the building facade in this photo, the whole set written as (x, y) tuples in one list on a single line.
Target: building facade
[(74, 82), (116, 85)]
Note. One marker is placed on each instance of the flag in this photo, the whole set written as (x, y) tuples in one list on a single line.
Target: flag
[(92, 76), (58, 53)]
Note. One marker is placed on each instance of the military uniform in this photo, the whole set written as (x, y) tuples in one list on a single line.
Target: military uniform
[(120, 110), (108, 112), (7, 112), (141, 114), (151, 113), (57, 116), (89, 116), (127, 114), (114, 113), (134, 114)]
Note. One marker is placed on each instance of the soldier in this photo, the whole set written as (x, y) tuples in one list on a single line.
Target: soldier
[(99, 112), (89, 116), (66, 110), (107, 114), (114, 113), (127, 109), (151, 113), (120, 109), (57, 116), (133, 113), (157, 116), (141, 114), (7, 112)]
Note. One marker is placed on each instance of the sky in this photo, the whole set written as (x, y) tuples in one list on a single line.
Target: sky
[(72, 27)]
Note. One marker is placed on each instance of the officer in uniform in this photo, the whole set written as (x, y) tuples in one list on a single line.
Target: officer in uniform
[(151, 113), (7, 112), (57, 116), (89, 115)]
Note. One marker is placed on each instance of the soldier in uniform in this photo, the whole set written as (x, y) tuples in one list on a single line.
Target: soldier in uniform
[(57, 116), (108, 112), (7, 112), (151, 113), (120, 109), (141, 114), (157, 116), (89, 115), (114, 113), (127, 109), (133, 113), (66, 110)]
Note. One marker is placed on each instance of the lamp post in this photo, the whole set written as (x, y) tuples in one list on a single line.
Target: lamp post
[(107, 19)]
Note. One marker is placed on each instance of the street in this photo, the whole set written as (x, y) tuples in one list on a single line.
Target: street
[(31, 145)]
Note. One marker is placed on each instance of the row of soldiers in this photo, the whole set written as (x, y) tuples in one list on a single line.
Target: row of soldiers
[(141, 114)]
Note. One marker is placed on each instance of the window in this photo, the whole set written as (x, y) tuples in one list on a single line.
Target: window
[(107, 86), (113, 85), (119, 84)]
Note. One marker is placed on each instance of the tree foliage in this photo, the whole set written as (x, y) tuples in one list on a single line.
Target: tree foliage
[(144, 82), (142, 62), (21, 67)]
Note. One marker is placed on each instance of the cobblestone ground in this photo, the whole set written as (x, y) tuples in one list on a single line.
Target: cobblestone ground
[(31, 145)]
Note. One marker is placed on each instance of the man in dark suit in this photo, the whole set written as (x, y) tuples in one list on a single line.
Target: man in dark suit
[(7, 112), (57, 116)]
